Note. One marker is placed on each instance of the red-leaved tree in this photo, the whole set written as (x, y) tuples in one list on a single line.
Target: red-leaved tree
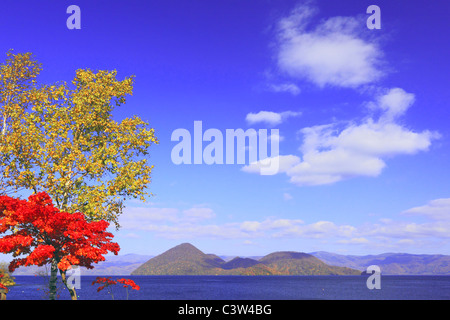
[(106, 282), (42, 234)]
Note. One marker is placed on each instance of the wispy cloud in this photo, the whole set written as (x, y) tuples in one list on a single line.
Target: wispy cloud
[(438, 209), (384, 233), (285, 87), (285, 163), (198, 213), (287, 196), (142, 217), (270, 117)]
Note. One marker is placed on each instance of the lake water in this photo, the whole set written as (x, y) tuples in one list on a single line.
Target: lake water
[(248, 288)]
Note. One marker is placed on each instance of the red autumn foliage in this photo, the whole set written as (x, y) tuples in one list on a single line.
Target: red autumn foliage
[(106, 282), (130, 283), (42, 233)]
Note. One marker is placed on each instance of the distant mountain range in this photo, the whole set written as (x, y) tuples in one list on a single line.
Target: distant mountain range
[(114, 265), (392, 263), (187, 259)]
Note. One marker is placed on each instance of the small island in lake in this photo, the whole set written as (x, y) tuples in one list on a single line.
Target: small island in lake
[(186, 259)]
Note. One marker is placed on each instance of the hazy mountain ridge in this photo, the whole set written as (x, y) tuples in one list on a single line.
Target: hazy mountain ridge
[(392, 263), (114, 265), (389, 263), (185, 259)]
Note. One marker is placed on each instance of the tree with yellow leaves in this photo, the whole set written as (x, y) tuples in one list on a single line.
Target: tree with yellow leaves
[(62, 139)]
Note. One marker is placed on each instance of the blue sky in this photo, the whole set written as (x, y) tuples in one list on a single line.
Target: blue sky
[(362, 116)]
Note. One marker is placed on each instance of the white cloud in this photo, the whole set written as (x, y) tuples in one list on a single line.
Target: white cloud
[(360, 240), (438, 209), (332, 53), (407, 230), (287, 196), (275, 137), (269, 117), (329, 229), (395, 103), (383, 234), (197, 213), (377, 139), (331, 154), (251, 226), (285, 87), (326, 167), (284, 164), (141, 218)]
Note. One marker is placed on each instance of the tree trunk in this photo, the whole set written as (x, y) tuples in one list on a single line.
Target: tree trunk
[(53, 278), (2, 295), (4, 125), (71, 288)]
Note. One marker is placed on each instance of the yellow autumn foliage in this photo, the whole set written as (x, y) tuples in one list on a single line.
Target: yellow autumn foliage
[(62, 139)]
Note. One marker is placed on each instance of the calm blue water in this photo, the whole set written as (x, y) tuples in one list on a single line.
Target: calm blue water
[(249, 288)]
